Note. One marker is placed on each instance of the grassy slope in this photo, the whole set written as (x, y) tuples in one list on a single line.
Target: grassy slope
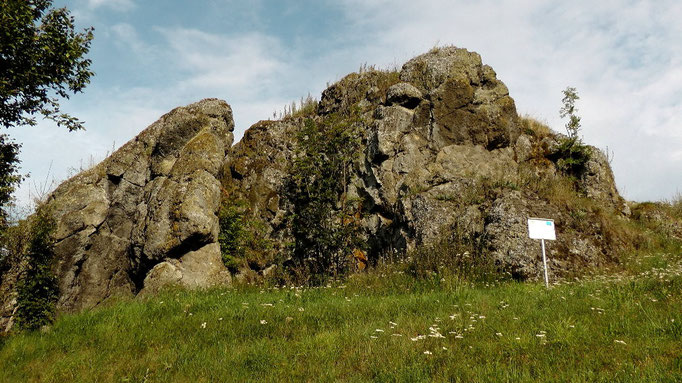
[(615, 329)]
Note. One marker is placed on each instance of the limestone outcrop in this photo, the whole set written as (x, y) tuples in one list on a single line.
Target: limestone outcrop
[(443, 154), (152, 202)]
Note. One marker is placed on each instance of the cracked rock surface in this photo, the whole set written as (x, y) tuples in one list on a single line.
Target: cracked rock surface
[(153, 201), (443, 154)]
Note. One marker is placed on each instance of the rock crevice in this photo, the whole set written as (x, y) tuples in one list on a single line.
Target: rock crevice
[(154, 198)]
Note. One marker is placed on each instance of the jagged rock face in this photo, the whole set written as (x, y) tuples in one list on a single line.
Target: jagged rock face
[(443, 154), (437, 136), (155, 198)]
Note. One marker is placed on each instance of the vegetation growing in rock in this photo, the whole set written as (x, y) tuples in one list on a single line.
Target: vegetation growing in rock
[(307, 107), (457, 254), (9, 174), (243, 240), (41, 56), (37, 288), (571, 154), (323, 220)]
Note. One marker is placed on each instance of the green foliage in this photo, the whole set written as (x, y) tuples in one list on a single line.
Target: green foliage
[(9, 174), (323, 221), (41, 55), (571, 154), (243, 240), (569, 110), (37, 288)]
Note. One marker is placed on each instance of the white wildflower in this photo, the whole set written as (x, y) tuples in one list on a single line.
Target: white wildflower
[(263, 321)]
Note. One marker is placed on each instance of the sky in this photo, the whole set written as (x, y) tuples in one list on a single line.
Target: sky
[(150, 56)]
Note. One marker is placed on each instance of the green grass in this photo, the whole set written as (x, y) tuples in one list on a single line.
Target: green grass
[(374, 328)]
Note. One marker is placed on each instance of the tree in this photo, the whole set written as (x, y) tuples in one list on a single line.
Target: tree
[(42, 58), (571, 154), (323, 221), (9, 173), (569, 110)]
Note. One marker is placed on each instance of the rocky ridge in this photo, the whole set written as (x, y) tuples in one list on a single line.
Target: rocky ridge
[(443, 151)]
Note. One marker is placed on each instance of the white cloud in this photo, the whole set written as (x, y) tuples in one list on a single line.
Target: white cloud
[(623, 56), (246, 63), (116, 5), (245, 69), (126, 37)]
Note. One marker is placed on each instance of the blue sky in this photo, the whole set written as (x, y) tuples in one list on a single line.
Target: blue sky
[(624, 57)]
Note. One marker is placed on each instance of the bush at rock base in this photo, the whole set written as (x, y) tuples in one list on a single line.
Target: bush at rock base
[(37, 290)]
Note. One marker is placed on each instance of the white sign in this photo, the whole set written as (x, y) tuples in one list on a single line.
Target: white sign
[(541, 228)]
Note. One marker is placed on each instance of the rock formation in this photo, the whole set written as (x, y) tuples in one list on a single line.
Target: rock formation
[(150, 206), (443, 151)]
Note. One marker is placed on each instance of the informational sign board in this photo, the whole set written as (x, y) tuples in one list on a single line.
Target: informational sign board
[(541, 228)]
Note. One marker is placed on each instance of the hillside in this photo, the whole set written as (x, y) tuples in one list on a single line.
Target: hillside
[(378, 326), (429, 166)]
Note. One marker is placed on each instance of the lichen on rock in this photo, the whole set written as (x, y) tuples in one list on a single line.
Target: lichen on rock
[(154, 198), (442, 152)]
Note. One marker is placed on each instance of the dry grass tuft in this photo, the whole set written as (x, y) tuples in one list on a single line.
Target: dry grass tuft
[(534, 127)]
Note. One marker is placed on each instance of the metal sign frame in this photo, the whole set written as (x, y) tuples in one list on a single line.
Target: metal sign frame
[(542, 228)]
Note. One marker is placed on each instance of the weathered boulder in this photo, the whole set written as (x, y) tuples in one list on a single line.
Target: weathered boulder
[(155, 198), (403, 94), (197, 269), (599, 182)]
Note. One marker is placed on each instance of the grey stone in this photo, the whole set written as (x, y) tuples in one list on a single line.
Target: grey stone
[(154, 198), (198, 269), (403, 94)]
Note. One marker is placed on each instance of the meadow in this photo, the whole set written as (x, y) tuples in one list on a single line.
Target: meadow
[(378, 326)]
